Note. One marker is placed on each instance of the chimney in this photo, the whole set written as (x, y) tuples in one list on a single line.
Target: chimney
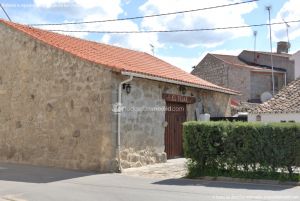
[(283, 47)]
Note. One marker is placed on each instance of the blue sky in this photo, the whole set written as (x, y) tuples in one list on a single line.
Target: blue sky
[(181, 49)]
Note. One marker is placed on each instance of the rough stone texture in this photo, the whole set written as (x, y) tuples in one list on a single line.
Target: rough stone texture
[(239, 80), (234, 74), (223, 74), (55, 108), (212, 69), (142, 129)]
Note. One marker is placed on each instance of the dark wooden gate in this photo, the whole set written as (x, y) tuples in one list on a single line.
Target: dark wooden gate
[(175, 116)]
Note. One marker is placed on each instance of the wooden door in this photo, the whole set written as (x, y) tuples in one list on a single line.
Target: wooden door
[(175, 116)]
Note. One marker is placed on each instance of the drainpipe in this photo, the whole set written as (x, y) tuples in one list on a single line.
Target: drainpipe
[(285, 79), (119, 119)]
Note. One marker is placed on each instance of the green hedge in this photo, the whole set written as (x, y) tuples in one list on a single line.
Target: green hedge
[(251, 150)]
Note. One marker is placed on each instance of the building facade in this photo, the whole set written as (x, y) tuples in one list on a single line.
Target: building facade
[(58, 96), (234, 72)]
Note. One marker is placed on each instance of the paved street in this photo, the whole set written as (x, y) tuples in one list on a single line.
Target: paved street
[(26, 183)]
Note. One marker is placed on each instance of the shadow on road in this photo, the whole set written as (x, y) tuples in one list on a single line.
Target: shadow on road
[(220, 184), (34, 174)]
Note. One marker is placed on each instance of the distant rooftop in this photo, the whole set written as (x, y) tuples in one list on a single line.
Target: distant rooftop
[(286, 101), (235, 60)]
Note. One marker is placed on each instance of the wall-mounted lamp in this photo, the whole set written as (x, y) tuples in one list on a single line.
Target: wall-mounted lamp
[(182, 89), (127, 88)]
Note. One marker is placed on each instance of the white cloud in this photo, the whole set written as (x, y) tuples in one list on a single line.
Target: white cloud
[(289, 11), (233, 52), (49, 3), (85, 10), (221, 17), (185, 63)]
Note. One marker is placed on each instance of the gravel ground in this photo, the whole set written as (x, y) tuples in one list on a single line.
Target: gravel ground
[(174, 168)]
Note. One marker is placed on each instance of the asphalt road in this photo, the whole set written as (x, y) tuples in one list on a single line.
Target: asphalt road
[(26, 183)]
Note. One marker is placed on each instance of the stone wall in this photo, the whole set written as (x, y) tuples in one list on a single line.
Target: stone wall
[(239, 80), (142, 127), (226, 75), (212, 70), (262, 82), (55, 109)]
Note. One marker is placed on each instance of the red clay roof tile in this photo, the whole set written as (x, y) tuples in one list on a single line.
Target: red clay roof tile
[(116, 58)]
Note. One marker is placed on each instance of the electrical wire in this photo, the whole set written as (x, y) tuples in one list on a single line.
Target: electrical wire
[(171, 31), (5, 12), (146, 16)]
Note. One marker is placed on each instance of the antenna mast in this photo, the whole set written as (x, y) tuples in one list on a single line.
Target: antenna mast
[(287, 33), (268, 8), (152, 49), (255, 35)]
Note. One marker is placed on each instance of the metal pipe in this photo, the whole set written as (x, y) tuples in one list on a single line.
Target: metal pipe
[(119, 119), (272, 65), (285, 79)]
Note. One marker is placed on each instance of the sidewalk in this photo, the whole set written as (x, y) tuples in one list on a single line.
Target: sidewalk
[(174, 168)]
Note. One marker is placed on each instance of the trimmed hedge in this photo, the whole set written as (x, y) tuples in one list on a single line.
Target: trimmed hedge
[(239, 149)]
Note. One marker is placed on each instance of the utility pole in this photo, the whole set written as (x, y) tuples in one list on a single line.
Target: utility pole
[(5, 12), (254, 34), (152, 49), (287, 32), (268, 8)]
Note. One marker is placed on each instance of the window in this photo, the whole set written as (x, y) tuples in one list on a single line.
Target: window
[(258, 118)]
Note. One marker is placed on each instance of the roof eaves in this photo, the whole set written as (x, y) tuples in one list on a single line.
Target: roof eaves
[(174, 81)]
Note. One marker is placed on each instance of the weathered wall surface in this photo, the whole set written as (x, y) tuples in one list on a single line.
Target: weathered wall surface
[(55, 109), (280, 61), (226, 75), (142, 129), (296, 58), (239, 80), (212, 70), (261, 82)]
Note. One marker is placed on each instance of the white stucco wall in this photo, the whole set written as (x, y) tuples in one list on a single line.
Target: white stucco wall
[(296, 58), (275, 117)]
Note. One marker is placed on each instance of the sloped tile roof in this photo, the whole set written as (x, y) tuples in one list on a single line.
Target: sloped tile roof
[(274, 54), (116, 58), (286, 101), (236, 61)]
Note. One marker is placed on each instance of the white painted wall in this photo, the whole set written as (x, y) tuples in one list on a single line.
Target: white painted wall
[(275, 117), (296, 58)]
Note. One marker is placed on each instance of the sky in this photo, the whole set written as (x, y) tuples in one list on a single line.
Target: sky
[(182, 49)]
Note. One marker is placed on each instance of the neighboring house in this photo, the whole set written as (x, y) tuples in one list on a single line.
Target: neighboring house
[(250, 72), (59, 94), (284, 107), (296, 58), (231, 72)]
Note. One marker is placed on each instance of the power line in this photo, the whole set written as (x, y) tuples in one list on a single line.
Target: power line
[(5, 12), (146, 16), (171, 31)]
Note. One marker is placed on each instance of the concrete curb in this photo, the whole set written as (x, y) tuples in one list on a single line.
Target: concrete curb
[(249, 181)]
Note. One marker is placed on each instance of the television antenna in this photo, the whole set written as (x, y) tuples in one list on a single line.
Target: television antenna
[(287, 31)]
